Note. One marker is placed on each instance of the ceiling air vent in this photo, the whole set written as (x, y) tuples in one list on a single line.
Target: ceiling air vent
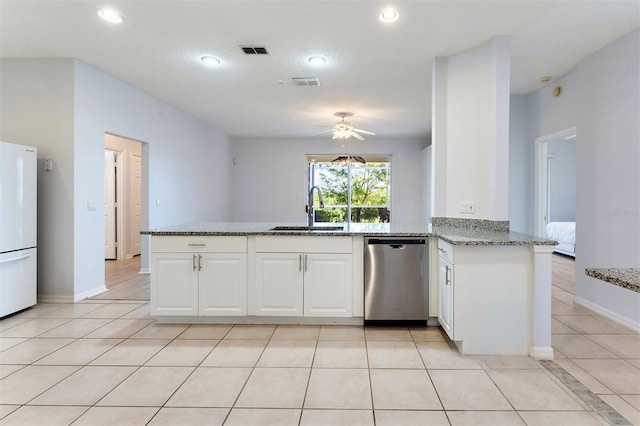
[(306, 81), (254, 50)]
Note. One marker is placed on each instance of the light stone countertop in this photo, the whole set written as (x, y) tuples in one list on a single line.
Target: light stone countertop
[(628, 278), (453, 234)]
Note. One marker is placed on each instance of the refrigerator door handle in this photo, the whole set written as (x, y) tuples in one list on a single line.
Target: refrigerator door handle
[(13, 259)]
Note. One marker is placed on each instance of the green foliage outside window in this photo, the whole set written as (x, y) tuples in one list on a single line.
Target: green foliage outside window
[(359, 190)]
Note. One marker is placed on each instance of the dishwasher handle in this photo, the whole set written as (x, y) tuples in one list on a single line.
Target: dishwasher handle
[(394, 243)]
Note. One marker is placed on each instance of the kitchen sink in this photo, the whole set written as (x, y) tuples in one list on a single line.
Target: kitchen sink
[(308, 228)]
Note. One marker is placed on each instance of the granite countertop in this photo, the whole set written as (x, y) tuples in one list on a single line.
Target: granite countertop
[(454, 234), (628, 278)]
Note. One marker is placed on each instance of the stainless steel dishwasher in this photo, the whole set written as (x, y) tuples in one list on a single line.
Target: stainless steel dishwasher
[(395, 289)]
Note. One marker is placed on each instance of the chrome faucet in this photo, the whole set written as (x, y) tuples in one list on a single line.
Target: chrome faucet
[(310, 209)]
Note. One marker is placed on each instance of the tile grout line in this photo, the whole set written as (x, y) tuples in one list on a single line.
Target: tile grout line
[(585, 395), (188, 375)]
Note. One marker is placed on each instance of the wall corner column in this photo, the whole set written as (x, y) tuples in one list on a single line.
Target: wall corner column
[(541, 302)]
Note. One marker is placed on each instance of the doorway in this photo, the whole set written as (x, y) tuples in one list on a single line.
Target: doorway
[(122, 197), (555, 188)]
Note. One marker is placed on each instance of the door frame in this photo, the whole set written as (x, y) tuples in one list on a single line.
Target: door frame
[(119, 197), (542, 177)]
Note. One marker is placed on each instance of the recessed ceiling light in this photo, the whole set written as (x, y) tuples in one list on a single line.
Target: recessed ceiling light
[(389, 15), (110, 15), (545, 79), (317, 60), (210, 61)]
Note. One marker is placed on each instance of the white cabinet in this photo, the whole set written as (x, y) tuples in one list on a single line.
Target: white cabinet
[(279, 284), (198, 276), (222, 284), (483, 296), (445, 288), (303, 276), (327, 285), (174, 284)]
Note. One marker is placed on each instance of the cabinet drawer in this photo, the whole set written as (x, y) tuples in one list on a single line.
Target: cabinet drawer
[(445, 249), (298, 244), (199, 244)]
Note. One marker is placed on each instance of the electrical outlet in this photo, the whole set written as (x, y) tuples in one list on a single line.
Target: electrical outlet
[(91, 206), (467, 207)]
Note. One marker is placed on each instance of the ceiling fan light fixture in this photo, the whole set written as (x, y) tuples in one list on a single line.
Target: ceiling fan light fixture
[(110, 15), (389, 15), (349, 159), (317, 60), (342, 133)]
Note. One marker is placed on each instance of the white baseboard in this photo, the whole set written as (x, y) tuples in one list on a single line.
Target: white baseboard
[(169, 319), (92, 292), (144, 271), (50, 298), (541, 352), (613, 316)]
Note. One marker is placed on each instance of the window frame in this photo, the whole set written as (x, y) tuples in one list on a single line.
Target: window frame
[(313, 159)]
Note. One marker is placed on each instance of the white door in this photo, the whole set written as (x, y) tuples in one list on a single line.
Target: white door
[(136, 203), (223, 283), (109, 204), (327, 285), (279, 287)]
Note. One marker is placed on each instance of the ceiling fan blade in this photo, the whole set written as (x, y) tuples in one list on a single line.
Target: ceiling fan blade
[(366, 132), (324, 131), (357, 136)]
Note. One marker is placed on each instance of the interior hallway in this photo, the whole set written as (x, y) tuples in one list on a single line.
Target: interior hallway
[(124, 281)]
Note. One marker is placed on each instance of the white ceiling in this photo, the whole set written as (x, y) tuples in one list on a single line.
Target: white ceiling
[(380, 72)]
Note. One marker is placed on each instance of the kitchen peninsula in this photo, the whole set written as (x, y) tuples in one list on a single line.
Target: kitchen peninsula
[(495, 298)]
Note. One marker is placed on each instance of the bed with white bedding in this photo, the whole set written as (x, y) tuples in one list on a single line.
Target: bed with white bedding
[(565, 234)]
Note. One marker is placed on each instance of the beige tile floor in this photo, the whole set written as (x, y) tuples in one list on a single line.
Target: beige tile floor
[(105, 361)]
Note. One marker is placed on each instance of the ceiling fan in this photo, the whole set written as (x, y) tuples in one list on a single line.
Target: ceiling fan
[(344, 129)]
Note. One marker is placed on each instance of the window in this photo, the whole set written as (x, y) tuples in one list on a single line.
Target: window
[(352, 191)]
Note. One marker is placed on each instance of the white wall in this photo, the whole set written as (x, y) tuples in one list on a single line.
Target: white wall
[(64, 107), (562, 180), (186, 160), (601, 99), (37, 110), (521, 171), (270, 177), (608, 170), (427, 183), (472, 91)]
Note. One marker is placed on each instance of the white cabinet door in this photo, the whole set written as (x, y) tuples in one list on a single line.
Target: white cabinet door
[(223, 283), (445, 296), (327, 285), (174, 284), (279, 285)]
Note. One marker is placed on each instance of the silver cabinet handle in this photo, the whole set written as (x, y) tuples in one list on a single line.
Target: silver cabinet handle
[(199, 262), (196, 244), (446, 276), (194, 262), (442, 250), (305, 263), (300, 263)]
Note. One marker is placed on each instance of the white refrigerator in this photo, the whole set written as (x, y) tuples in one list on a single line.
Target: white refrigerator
[(18, 204)]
